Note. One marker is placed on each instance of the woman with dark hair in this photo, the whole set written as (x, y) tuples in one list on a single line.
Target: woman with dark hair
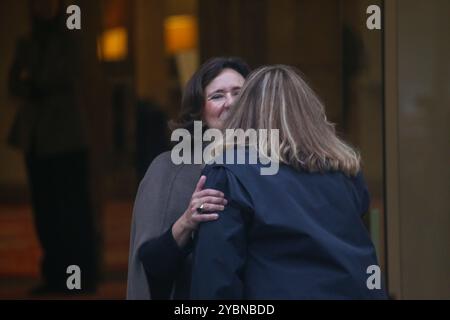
[(165, 210)]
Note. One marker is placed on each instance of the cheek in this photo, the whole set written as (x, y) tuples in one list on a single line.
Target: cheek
[(233, 99), (212, 111)]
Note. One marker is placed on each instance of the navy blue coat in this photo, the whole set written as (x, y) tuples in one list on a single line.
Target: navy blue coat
[(293, 235)]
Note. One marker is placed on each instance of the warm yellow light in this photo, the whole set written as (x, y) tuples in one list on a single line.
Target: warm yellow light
[(180, 33), (113, 45)]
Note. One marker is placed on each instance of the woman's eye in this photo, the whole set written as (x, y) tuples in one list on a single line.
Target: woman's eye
[(217, 96), (236, 93)]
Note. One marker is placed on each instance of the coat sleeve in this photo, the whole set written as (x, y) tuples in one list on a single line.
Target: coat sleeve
[(221, 245), (20, 73), (148, 222), (363, 195), (162, 258)]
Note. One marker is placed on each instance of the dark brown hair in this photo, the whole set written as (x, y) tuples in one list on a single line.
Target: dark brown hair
[(193, 98)]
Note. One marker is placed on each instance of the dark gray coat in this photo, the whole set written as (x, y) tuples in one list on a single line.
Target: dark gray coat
[(163, 195), (49, 119)]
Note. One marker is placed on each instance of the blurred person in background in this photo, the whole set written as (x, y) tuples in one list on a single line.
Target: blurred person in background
[(48, 129)]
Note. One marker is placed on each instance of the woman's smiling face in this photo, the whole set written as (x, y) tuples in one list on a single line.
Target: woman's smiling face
[(220, 94)]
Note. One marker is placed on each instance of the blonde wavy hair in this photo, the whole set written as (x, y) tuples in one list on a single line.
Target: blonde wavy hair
[(276, 97)]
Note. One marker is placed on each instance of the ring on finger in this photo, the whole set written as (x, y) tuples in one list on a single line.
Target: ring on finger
[(201, 209)]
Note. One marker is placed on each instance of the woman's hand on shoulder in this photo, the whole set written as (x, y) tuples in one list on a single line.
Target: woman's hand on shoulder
[(211, 202)]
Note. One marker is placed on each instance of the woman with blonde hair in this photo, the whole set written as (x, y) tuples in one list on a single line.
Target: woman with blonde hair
[(297, 234)]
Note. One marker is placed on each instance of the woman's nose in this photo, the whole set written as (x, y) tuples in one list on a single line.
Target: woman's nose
[(228, 100)]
